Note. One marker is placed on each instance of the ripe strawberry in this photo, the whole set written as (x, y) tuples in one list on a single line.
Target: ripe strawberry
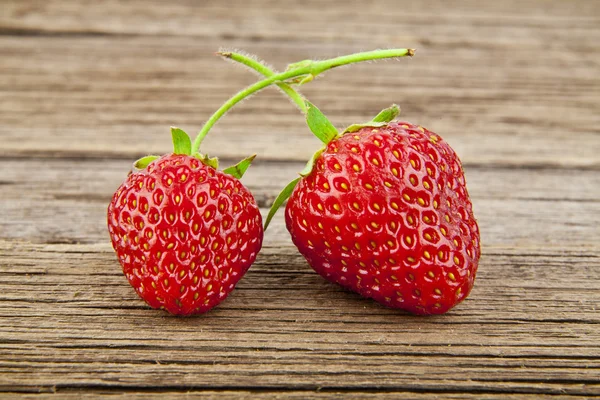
[(385, 212), (184, 232), (382, 209)]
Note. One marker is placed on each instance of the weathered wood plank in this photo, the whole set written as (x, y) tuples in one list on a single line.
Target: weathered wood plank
[(66, 201), (521, 330), (538, 270), (90, 93), (495, 22), (287, 394)]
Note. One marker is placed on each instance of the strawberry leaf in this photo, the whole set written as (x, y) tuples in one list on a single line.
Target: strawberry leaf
[(388, 114), (144, 162), (281, 198), (318, 123), (238, 170), (182, 144)]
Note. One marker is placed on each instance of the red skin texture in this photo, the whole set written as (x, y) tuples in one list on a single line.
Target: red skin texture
[(371, 217), (184, 233)]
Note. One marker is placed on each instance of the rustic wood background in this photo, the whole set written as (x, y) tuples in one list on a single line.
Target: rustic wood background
[(88, 86)]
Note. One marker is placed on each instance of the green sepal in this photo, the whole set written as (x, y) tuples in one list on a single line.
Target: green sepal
[(357, 127), (182, 144), (381, 119), (211, 162), (311, 163), (281, 198), (206, 160), (238, 170), (318, 123), (144, 162), (387, 114)]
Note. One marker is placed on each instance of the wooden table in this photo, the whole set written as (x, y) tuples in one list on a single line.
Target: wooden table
[(89, 86)]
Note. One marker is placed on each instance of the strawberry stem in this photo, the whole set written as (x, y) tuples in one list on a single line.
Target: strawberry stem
[(307, 70), (266, 72)]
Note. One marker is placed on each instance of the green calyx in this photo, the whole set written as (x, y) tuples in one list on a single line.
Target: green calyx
[(281, 198), (143, 162), (324, 130), (319, 124), (310, 164), (383, 118), (238, 170), (182, 144)]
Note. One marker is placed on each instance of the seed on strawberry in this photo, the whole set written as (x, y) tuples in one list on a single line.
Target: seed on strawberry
[(184, 232), (383, 210)]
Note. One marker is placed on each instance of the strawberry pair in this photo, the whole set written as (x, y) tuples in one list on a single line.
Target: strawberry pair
[(382, 209)]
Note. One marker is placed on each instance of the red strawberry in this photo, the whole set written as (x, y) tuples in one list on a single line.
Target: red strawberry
[(385, 212), (382, 209), (184, 233)]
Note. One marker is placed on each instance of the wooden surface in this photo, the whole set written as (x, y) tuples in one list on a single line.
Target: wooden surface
[(88, 86)]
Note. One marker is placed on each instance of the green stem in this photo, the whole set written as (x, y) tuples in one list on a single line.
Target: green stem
[(322, 66), (267, 72), (309, 70)]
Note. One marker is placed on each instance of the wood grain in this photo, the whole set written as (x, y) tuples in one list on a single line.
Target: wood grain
[(287, 394), (518, 92), (534, 307), (80, 320), (88, 86)]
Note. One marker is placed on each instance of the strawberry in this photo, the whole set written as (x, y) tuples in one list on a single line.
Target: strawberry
[(383, 210), (184, 232)]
